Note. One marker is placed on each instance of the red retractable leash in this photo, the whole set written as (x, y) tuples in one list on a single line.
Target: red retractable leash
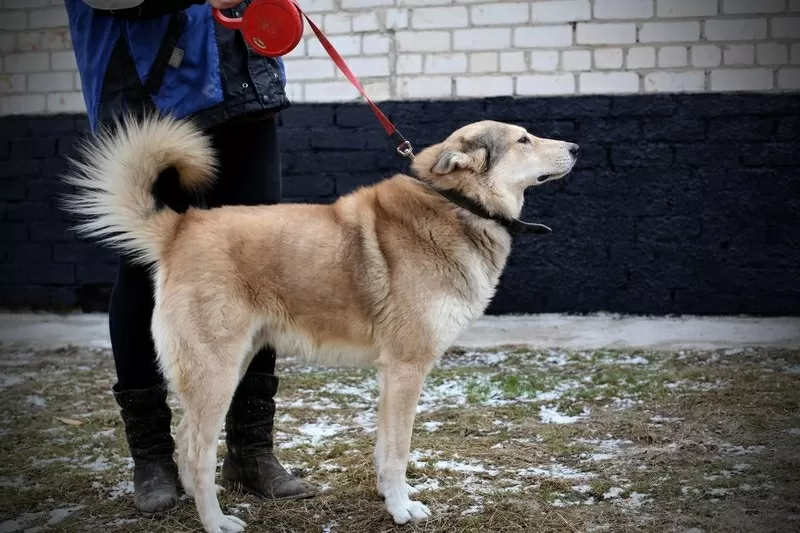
[(274, 28)]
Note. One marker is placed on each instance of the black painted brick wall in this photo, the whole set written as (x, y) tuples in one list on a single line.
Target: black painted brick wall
[(680, 203)]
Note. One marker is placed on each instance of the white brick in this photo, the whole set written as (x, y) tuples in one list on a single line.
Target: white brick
[(295, 92), (545, 85), (670, 82), (423, 41), (562, 11), (686, 8), (310, 69), (739, 54), (12, 83), (56, 40), (592, 33), (423, 2), (672, 56), (347, 46), (23, 104), (29, 41), (482, 39), (317, 6), (736, 29), (27, 62), (330, 91), (499, 14), (608, 58), (8, 43), (424, 87), (396, 19), (433, 18), (337, 23), (367, 67), (741, 79), (706, 56), (623, 9), (63, 61), (543, 37), (14, 20), (376, 44), (795, 54), (789, 78), (445, 63), (573, 60), (299, 50), (72, 102), (512, 62), (641, 57), (786, 27), (409, 64), (354, 4), (669, 32), (25, 4), (51, 82), (48, 18), (366, 22), (481, 86), (772, 54), (544, 61), (608, 83), (483, 62), (760, 7)]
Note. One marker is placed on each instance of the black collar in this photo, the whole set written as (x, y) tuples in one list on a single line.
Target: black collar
[(513, 225)]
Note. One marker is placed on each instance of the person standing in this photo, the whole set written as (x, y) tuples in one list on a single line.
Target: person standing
[(139, 56)]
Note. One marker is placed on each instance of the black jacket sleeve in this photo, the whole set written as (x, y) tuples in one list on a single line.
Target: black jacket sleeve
[(150, 9)]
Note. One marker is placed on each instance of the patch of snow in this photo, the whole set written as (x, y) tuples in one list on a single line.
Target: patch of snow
[(428, 484), (664, 419), (638, 360), (35, 401), (431, 426), (366, 420), (58, 515), (9, 381), (316, 433), (550, 415), (719, 491), (119, 522), (464, 467), (635, 500), (621, 404), (613, 492), (794, 432), (285, 418), (554, 471), (123, 488), (98, 465), (108, 433), (736, 450)]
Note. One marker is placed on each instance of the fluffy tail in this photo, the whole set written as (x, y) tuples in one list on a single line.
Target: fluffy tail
[(115, 176)]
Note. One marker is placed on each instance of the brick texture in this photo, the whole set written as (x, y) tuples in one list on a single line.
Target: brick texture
[(651, 221), (585, 46)]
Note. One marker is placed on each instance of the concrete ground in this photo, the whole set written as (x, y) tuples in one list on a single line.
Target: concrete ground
[(37, 330)]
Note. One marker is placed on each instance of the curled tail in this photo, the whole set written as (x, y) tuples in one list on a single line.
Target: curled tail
[(114, 181)]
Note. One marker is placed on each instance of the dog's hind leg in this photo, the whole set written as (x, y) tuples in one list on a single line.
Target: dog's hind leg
[(401, 385)]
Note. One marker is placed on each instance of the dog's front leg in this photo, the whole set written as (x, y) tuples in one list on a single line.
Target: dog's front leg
[(401, 385)]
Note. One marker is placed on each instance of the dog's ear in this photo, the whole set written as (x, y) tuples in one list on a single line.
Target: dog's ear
[(450, 160)]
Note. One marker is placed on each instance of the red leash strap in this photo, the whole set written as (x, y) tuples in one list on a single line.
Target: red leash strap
[(403, 146)]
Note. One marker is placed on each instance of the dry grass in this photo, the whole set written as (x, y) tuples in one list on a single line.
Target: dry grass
[(506, 440)]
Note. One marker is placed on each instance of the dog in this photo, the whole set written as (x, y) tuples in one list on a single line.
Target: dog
[(388, 275)]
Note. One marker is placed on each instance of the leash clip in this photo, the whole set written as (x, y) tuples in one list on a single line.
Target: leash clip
[(405, 149)]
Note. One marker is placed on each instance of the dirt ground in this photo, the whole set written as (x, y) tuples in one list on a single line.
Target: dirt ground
[(505, 440)]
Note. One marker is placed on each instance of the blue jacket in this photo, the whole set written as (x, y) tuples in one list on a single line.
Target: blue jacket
[(171, 55)]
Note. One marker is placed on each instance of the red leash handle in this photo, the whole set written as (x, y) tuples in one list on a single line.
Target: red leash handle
[(228, 22)]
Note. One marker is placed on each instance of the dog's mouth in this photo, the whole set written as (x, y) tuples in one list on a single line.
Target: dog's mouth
[(548, 177)]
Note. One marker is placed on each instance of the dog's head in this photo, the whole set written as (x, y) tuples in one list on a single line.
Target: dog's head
[(494, 163)]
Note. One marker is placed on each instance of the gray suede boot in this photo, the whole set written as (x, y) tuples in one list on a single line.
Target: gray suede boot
[(147, 418), (250, 464)]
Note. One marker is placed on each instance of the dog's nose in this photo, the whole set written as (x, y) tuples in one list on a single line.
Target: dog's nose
[(574, 149)]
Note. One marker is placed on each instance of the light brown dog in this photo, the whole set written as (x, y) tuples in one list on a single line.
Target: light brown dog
[(388, 275)]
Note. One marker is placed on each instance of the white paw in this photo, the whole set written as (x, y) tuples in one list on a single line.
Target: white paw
[(405, 511), (232, 524), (409, 490)]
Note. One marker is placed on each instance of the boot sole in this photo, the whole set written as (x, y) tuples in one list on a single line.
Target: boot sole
[(240, 487)]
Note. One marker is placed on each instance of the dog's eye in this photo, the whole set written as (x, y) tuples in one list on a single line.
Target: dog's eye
[(524, 140)]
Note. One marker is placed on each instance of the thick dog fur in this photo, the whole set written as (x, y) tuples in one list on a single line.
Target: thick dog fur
[(388, 275)]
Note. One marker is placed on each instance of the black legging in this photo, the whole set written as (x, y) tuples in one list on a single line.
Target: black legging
[(250, 174)]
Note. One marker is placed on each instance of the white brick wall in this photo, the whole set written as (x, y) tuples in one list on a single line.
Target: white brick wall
[(409, 49)]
